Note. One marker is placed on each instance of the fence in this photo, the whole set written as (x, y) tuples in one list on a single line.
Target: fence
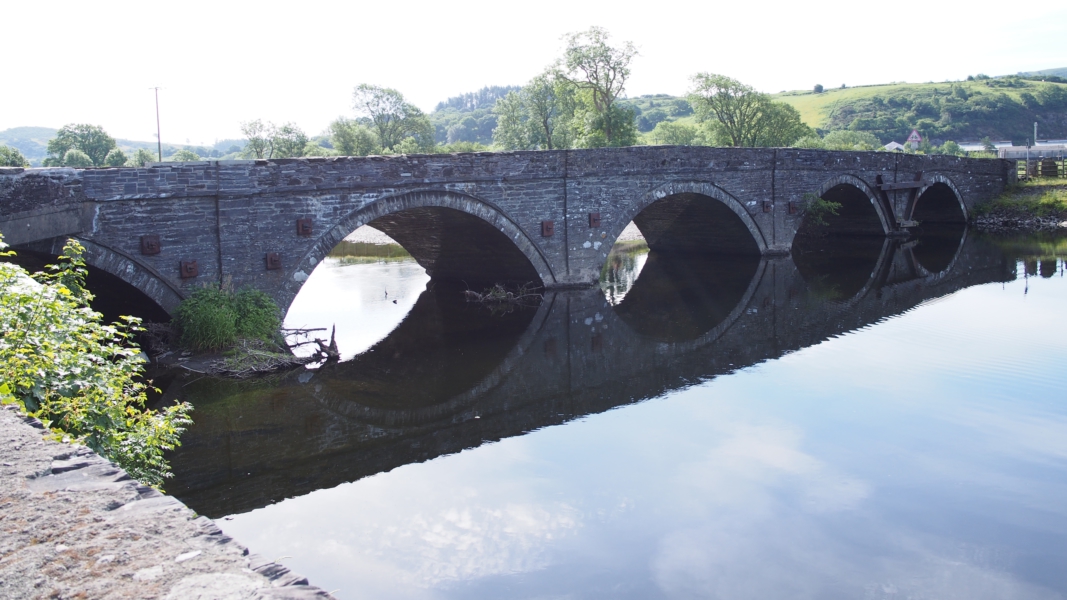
[(1042, 167)]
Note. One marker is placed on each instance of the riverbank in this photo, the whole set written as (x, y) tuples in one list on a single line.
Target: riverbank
[(1039, 205), (73, 525)]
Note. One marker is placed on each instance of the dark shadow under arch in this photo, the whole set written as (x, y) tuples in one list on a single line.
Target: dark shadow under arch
[(694, 224), (679, 208), (114, 297), (455, 237), (679, 298), (859, 212), (939, 203)]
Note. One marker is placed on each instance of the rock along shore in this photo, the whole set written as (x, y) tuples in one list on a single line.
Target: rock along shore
[(73, 525)]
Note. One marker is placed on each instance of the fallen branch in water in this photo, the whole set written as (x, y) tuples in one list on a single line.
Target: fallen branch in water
[(525, 295), (252, 357)]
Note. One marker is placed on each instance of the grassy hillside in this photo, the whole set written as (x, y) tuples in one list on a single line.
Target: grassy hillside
[(1000, 108)]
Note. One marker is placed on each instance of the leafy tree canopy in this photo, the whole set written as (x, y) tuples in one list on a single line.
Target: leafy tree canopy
[(11, 157), (601, 71), (90, 140), (392, 118), (741, 116)]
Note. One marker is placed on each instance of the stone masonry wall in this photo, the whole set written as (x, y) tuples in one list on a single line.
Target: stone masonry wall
[(228, 216)]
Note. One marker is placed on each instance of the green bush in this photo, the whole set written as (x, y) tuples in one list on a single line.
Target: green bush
[(212, 319), (81, 377)]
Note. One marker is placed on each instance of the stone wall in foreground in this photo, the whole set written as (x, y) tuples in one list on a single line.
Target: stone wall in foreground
[(73, 525)]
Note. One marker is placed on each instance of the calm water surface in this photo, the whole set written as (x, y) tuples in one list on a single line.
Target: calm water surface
[(888, 423)]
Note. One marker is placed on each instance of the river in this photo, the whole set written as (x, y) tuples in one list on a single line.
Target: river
[(873, 419)]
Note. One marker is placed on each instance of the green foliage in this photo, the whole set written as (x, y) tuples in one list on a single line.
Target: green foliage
[(461, 147), (392, 118), (818, 88), (266, 140), (351, 138), (141, 158), (600, 71), (816, 209), (115, 158), (11, 157), (592, 131), (259, 143), (1035, 198), (668, 133), (76, 158), (841, 140), (184, 155), (212, 319), (956, 111), (469, 117), (540, 116), (738, 115), (80, 377), (289, 141), (91, 140)]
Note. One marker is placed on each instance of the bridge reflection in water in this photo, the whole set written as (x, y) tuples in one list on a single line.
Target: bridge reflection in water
[(453, 375)]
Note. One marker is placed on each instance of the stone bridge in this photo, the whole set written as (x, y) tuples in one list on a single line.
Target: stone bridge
[(414, 396), (548, 217)]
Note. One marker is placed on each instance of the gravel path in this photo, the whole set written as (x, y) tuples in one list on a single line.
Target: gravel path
[(73, 525)]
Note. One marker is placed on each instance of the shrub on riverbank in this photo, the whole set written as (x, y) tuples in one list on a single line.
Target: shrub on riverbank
[(213, 318), (79, 376), (1039, 197)]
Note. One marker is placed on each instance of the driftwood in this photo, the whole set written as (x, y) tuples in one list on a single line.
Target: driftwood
[(253, 357), (525, 295)]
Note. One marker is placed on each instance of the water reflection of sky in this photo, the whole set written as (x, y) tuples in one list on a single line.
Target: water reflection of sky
[(922, 457), (365, 301)]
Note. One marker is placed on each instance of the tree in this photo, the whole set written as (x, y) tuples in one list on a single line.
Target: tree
[(391, 117), (77, 159), (601, 71), (736, 107), (845, 139), (260, 143), (184, 155), (288, 141), (987, 145), (538, 116), (781, 126), (512, 130), (550, 103), (669, 133), (594, 128), (951, 148), (91, 140), (11, 157), (741, 116), (115, 158), (818, 88), (350, 138), (141, 158)]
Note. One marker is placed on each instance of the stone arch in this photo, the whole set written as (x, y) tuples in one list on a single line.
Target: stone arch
[(143, 277), (419, 199), (851, 180), (935, 179), (700, 188)]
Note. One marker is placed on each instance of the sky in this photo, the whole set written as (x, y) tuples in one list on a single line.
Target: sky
[(221, 63)]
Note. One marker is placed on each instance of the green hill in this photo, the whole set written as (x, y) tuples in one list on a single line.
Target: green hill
[(1000, 108)]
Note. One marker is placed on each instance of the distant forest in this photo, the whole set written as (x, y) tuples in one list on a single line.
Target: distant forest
[(469, 117)]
